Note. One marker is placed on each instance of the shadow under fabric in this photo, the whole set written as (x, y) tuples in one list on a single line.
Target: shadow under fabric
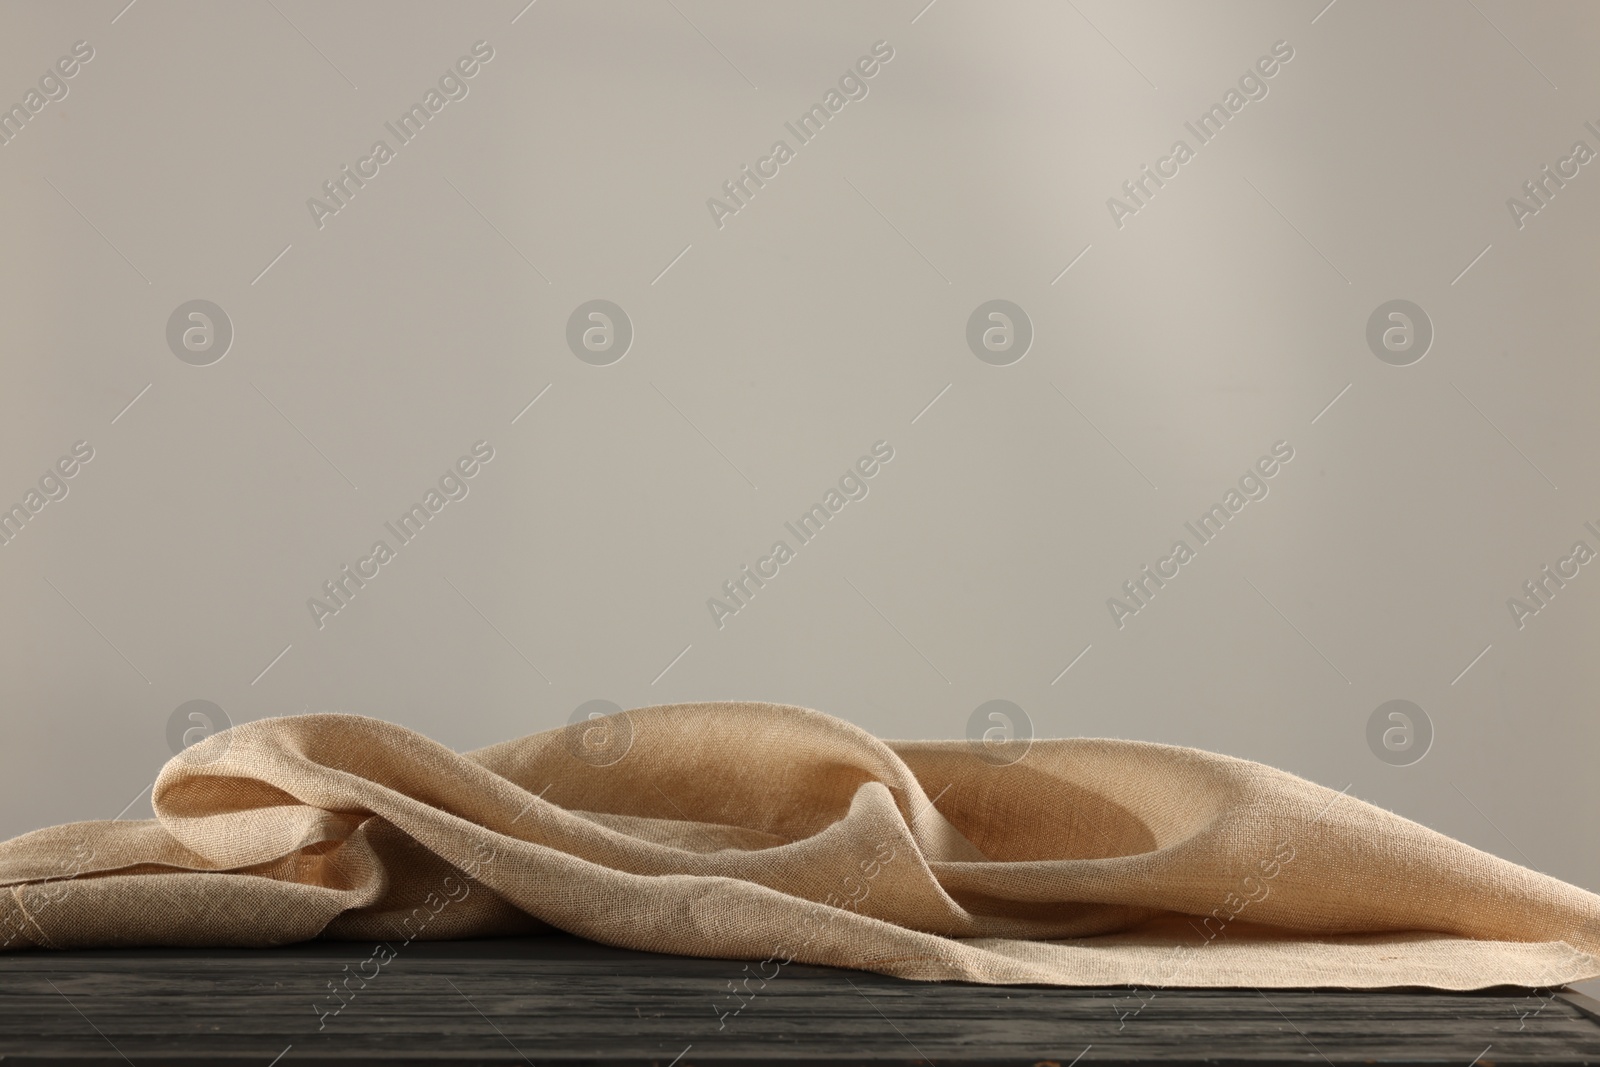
[(766, 832)]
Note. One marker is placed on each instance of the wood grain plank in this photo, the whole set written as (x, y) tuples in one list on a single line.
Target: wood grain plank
[(554, 1000)]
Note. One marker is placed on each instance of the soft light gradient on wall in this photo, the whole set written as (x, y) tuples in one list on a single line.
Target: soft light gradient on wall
[(1177, 340)]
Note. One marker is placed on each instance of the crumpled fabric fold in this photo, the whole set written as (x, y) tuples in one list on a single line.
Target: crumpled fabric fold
[(766, 832)]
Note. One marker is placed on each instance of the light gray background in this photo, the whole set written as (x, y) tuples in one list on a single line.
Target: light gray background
[(771, 353)]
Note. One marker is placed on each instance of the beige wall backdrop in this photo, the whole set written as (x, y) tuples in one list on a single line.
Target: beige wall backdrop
[(1355, 311)]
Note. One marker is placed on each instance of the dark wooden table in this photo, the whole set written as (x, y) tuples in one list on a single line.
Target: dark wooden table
[(558, 1000)]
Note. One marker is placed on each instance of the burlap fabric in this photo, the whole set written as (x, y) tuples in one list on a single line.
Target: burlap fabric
[(770, 833)]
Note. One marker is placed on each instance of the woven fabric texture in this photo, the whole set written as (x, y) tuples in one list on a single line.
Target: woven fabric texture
[(772, 833)]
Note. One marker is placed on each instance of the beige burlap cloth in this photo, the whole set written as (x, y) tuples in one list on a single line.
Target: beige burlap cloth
[(772, 833)]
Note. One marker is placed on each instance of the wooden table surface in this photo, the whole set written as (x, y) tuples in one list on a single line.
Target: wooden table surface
[(558, 1000)]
